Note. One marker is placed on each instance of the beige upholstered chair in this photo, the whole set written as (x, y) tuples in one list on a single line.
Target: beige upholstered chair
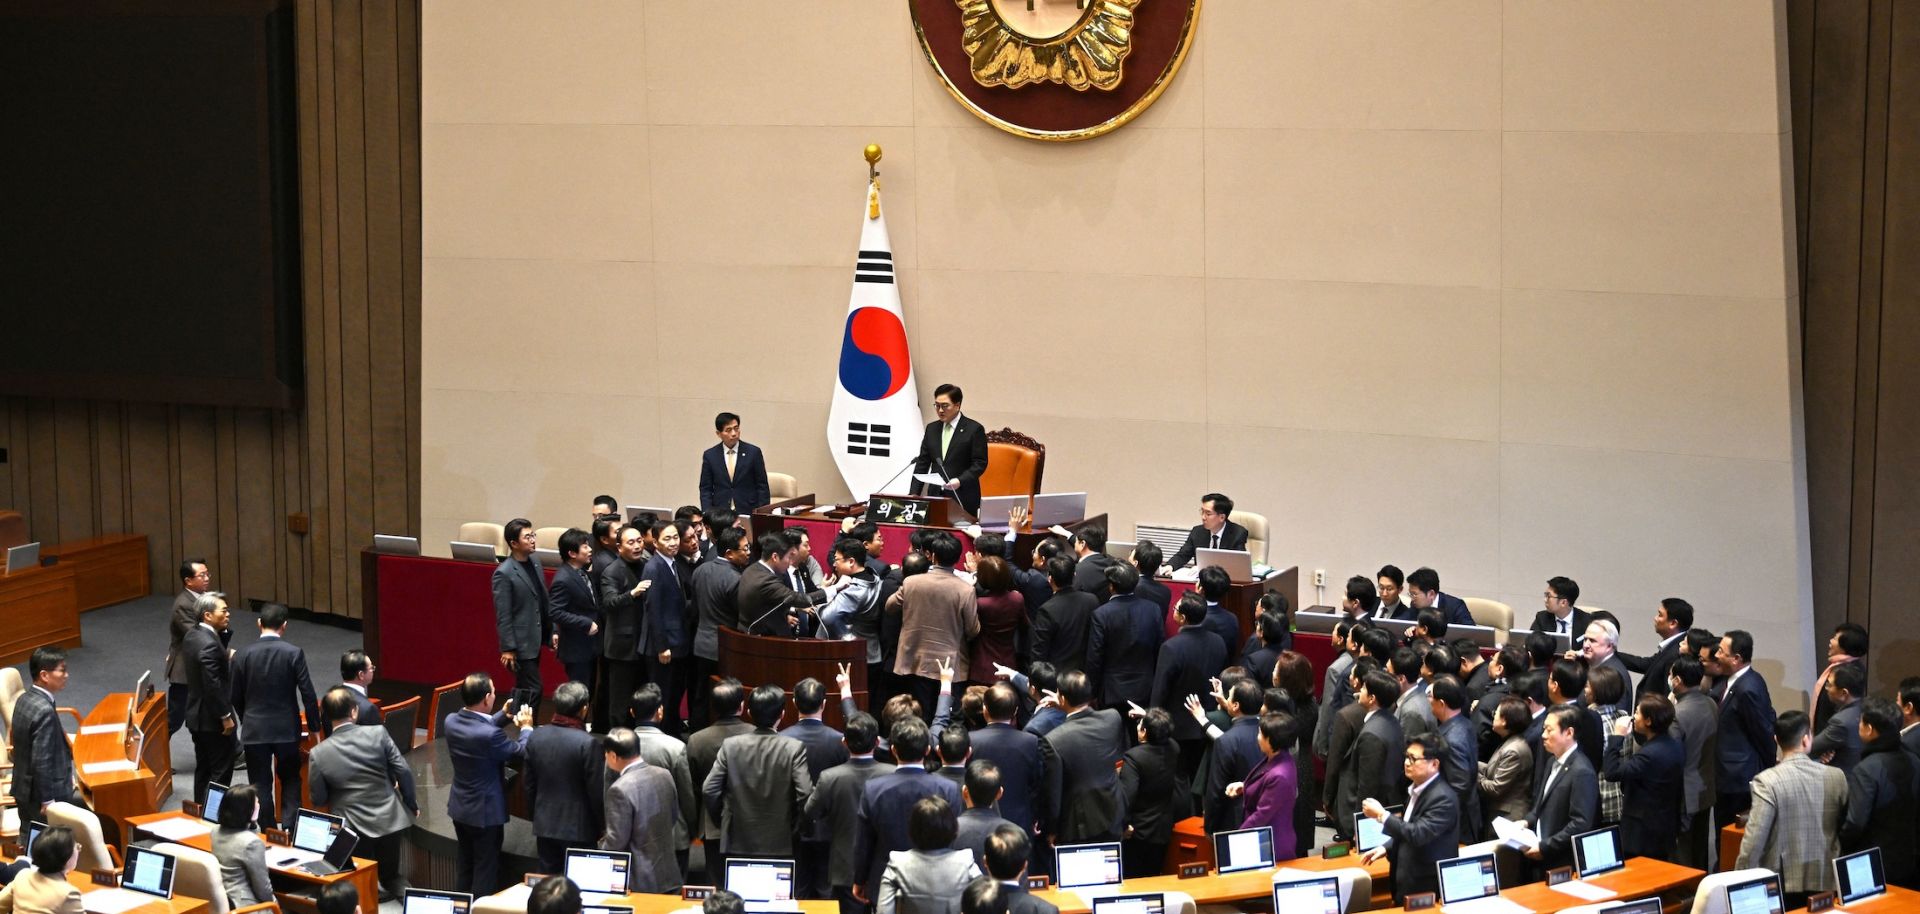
[(196, 874), (482, 532), (1492, 614), (781, 486), (1356, 887), (1178, 903), (11, 687), (1711, 896), (95, 852), (1256, 525), (548, 537), (511, 901)]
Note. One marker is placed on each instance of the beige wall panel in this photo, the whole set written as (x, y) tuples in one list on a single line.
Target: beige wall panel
[(110, 465), (711, 315), (197, 516), (1574, 374), (150, 487), (793, 435), (1691, 214), (518, 62), (1416, 207), (1380, 64), (1370, 358), (535, 327), (1685, 66), (830, 62), (520, 191), (1128, 202), (1349, 503), (720, 198), (73, 446), (43, 449)]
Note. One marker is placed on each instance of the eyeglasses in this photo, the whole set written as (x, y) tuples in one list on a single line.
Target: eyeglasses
[(1416, 758)]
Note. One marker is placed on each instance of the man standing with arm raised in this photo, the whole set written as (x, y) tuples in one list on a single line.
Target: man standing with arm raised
[(955, 446)]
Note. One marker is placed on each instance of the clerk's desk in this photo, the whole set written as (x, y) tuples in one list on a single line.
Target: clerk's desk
[(1895, 899), (116, 795), (516, 897), (365, 875)]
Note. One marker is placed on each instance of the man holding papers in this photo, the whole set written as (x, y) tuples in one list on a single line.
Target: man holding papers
[(954, 449)]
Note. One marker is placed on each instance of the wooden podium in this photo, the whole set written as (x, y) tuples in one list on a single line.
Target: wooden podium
[(754, 660), (115, 791)]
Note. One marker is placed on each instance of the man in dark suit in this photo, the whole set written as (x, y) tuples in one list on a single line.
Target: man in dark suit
[(1883, 795), (480, 747), (982, 791), (210, 717), (1374, 761), (1187, 660), (1566, 792), (356, 673), (1671, 621), (1061, 624), (1560, 616), (563, 777), (1015, 752), (826, 748), (195, 580), (1214, 585), (887, 803), (728, 703), (1838, 743), (622, 602), (715, 593), (1008, 851), (1235, 754), (955, 446), (1082, 797), (574, 607), (1847, 646), (1650, 765), (1909, 701), (1427, 833), (271, 690), (1423, 589), (1746, 726), (1091, 560), (520, 610), (357, 772), (664, 636), (1124, 642), (1147, 560), (835, 804), (759, 784), (42, 757), (768, 604), (1458, 748), (733, 473), (1215, 531)]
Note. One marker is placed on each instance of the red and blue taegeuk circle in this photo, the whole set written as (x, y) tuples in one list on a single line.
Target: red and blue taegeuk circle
[(873, 354)]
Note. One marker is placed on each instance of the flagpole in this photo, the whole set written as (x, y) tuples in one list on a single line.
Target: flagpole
[(873, 180)]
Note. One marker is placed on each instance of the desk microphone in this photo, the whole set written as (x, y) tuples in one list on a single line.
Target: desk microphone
[(896, 474)]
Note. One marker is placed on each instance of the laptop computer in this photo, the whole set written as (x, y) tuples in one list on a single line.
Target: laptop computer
[(210, 810), (598, 872), (339, 855), (313, 834), (1120, 550), (1482, 635), (1755, 896), (1237, 563), (1144, 903), (1597, 852), (659, 514), (434, 901), (546, 558), (1561, 643), (1315, 622), (765, 885), (473, 552), (1643, 906), (1088, 868), (1308, 896), (1243, 849), (33, 832), (1471, 885), (396, 545), (996, 511), (605, 909), (1368, 833), (21, 558), (1860, 876), (147, 876), (1058, 508), (1396, 627)]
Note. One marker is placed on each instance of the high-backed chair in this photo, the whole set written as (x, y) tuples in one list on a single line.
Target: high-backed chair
[(1016, 464), (95, 852), (445, 701), (1711, 896), (1256, 525), (1492, 614), (548, 537), (1356, 886), (513, 900), (13, 530), (399, 720), (483, 532), (196, 874), (11, 688), (1178, 903), (780, 487)]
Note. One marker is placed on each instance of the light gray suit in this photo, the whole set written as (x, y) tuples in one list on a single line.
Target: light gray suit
[(669, 754), (641, 820), (836, 802), (1415, 712), (1793, 828), (1697, 719), (925, 882), (354, 772), (243, 866)]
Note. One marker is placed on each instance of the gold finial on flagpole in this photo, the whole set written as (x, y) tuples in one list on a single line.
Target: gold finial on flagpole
[(872, 153)]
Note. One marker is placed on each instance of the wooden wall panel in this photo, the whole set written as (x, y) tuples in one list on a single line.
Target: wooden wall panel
[(223, 483)]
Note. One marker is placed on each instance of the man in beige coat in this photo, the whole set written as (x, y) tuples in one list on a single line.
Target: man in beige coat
[(1794, 825), (938, 616)]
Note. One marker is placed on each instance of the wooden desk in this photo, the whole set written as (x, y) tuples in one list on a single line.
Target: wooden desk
[(365, 874), (107, 569), (643, 903), (178, 904), (1731, 837), (1896, 899), (119, 795), (1224, 889), (41, 606), (1643, 877), (1242, 598)]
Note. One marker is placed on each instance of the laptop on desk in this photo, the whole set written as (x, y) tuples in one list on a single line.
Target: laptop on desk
[(1237, 563), (1314, 622), (1755, 896), (765, 885), (1058, 508), (1369, 833), (1471, 885), (396, 545), (1143, 903), (1307, 896), (1120, 550), (472, 552), (598, 872), (313, 835), (21, 558), (1597, 852), (1243, 849), (431, 901), (148, 877), (1860, 877), (996, 511), (1093, 870), (1643, 906), (210, 810)]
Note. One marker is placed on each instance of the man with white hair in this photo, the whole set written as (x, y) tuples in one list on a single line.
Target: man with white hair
[(1600, 646)]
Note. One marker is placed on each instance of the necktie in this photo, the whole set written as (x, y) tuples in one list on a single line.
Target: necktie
[(1563, 626), (1216, 542), (946, 438), (730, 458)]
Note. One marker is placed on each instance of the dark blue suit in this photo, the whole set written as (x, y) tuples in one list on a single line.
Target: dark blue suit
[(1651, 781), (1121, 650), (824, 750), (1221, 621), (663, 627), (1187, 660), (1153, 592), (1746, 740), (1427, 835), (477, 803), (271, 689), (1234, 755), (574, 610), (1022, 771), (745, 490), (885, 807)]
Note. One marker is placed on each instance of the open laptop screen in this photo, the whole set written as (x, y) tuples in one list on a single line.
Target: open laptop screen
[(314, 831), (1369, 833), (1755, 896), (1467, 878), (211, 810), (604, 872), (760, 880), (1308, 896), (1860, 875), (430, 901), (1079, 865), (148, 871), (1148, 903), (1243, 849), (1643, 906), (1597, 852)]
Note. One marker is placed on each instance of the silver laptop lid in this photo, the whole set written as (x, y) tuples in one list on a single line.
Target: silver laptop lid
[(997, 510), (21, 558), (1059, 508), (473, 552), (396, 545), (1237, 563)]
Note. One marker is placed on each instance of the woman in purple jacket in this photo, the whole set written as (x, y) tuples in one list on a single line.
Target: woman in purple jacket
[(1273, 785)]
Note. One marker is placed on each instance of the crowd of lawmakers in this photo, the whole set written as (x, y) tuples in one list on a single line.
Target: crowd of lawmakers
[(1011, 710)]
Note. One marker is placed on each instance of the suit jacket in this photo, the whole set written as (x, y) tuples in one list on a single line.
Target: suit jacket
[(575, 609), (1823, 706), (1060, 629), (620, 632), (1696, 720), (1426, 835), (1654, 668), (965, 460), (663, 623), (271, 689), (1910, 738), (835, 804), (1454, 607), (1568, 806), (34, 891), (1628, 697), (642, 818), (1334, 696), (1123, 645), (365, 711), (1022, 770), (764, 600), (1652, 780), (885, 806), (669, 754), (1793, 827), (520, 609), (1746, 731), (1090, 572), (1506, 780), (1484, 709), (1232, 536), (480, 750), (703, 749), (976, 825), (1376, 762), (744, 490), (1156, 593), (564, 777), (1221, 621), (1234, 755), (716, 604), (1578, 620), (937, 617), (359, 774), (1153, 791), (209, 680), (1415, 710), (1020, 901), (757, 788), (823, 745), (1841, 736), (1883, 803), (1082, 803), (1271, 790), (1187, 660), (179, 620), (42, 757), (1336, 790), (924, 882), (1460, 767)]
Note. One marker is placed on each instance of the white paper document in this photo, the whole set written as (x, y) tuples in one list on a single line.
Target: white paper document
[(1585, 891), (932, 479), (97, 729), (1516, 835), (177, 829), (104, 767), (115, 901)]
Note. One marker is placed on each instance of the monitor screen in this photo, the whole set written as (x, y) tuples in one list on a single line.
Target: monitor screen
[(314, 831), (1467, 878), (33, 832), (148, 871), (605, 909), (1243, 849), (761, 880), (1077, 865), (604, 872), (1597, 852), (430, 901), (210, 811), (1755, 896), (1149, 903), (1860, 875), (1308, 896), (1643, 906), (1369, 833)]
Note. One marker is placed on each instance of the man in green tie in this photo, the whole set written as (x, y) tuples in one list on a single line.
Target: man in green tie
[(955, 446)]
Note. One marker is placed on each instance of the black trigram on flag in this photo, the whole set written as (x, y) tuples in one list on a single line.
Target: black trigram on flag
[(874, 266), (869, 440)]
